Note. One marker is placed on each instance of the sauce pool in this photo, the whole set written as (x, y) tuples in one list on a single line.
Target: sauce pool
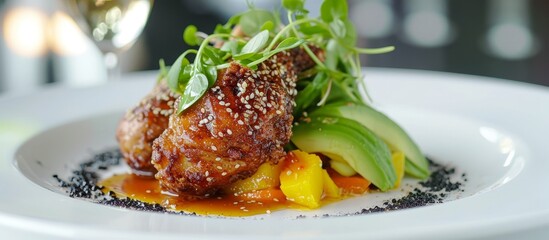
[(148, 190)]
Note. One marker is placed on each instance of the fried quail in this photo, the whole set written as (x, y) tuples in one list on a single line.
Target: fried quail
[(243, 121), (142, 124)]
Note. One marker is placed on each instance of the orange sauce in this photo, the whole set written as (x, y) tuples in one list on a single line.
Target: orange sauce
[(147, 189)]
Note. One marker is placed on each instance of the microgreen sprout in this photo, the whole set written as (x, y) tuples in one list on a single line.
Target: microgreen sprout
[(336, 78)]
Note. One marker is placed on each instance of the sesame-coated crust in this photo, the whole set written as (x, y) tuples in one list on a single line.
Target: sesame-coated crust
[(142, 124), (243, 121)]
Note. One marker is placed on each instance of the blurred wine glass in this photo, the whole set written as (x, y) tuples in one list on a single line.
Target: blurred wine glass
[(113, 25)]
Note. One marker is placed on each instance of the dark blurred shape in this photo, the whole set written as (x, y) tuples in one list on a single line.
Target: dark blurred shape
[(168, 19)]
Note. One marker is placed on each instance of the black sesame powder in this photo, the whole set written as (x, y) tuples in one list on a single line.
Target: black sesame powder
[(433, 190), (82, 183)]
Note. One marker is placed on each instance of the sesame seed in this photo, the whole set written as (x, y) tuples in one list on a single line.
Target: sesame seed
[(207, 173), (217, 159), (209, 179), (214, 148), (240, 122), (222, 103), (229, 110), (275, 199), (202, 110), (250, 133), (237, 166), (219, 167), (278, 112), (289, 172), (223, 173), (229, 132), (220, 134), (268, 211)]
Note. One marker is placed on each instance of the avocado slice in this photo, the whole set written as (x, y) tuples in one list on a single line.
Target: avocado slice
[(365, 152), (385, 128)]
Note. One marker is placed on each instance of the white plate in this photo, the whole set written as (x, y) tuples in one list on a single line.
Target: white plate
[(494, 130)]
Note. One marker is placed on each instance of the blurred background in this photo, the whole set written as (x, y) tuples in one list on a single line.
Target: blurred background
[(40, 44)]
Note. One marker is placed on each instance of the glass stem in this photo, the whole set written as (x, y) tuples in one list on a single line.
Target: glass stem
[(112, 65)]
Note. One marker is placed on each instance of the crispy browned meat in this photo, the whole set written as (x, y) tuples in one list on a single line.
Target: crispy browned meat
[(142, 124), (243, 121)]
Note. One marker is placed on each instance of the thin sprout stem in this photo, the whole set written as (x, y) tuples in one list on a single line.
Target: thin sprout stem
[(375, 50), (203, 45), (203, 35), (326, 94), (290, 20), (362, 83), (290, 26), (314, 57)]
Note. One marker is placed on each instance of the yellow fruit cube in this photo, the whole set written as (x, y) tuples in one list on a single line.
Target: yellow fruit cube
[(330, 188), (267, 176), (301, 179), (398, 163)]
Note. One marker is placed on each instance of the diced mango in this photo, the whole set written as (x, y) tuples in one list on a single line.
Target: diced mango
[(301, 179), (330, 188), (267, 176), (398, 163)]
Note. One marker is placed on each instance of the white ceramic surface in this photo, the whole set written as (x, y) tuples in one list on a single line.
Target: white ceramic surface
[(494, 130)]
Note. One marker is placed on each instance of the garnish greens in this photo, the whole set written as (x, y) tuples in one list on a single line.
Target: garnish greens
[(338, 77), (329, 91)]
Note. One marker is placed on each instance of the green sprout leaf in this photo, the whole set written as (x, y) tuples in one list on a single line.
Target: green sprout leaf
[(189, 35), (256, 43), (222, 29), (268, 25), (338, 27), (196, 87), (211, 74), (174, 73), (213, 55), (293, 5), (230, 47), (333, 9), (287, 44), (252, 20)]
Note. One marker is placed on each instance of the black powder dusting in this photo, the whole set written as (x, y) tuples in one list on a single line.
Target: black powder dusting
[(433, 190), (82, 183)]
